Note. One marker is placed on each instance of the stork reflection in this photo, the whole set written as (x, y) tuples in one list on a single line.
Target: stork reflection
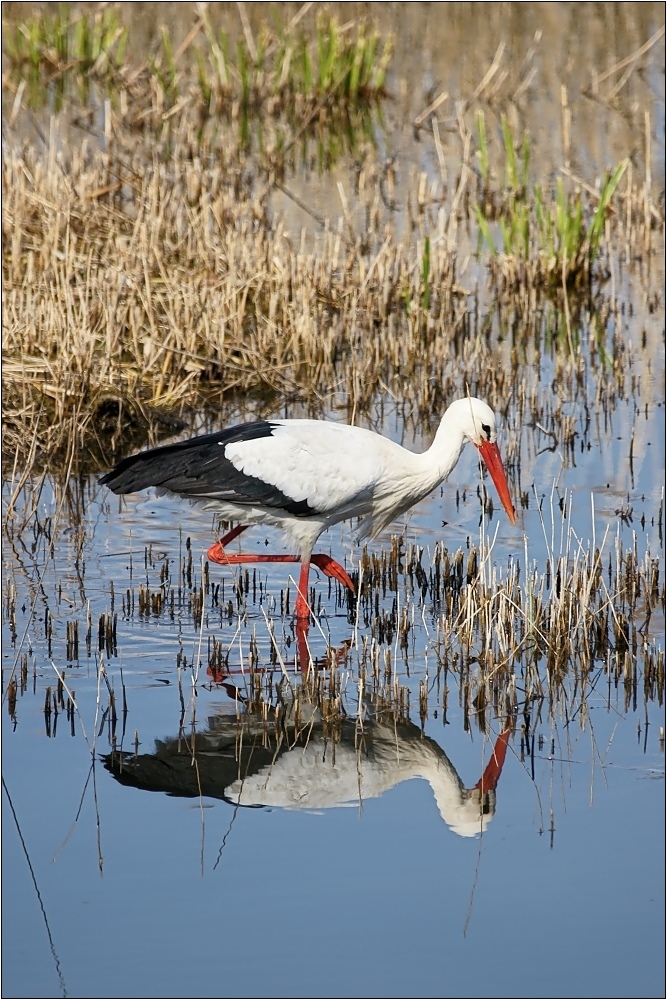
[(294, 757)]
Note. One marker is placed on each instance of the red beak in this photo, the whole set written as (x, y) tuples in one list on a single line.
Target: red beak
[(494, 464)]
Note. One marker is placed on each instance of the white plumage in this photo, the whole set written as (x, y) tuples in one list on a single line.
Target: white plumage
[(305, 475)]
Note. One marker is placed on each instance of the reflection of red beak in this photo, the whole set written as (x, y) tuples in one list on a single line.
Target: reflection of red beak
[(494, 464), (491, 776)]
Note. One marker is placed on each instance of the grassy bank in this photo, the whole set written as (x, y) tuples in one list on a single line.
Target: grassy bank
[(151, 267)]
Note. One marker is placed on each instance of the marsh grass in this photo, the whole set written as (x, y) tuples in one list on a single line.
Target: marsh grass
[(150, 284), (135, 291), (57, 41), (547, 635), (147, 274), (123, 300), (580, 627), (342, 64), (556, 236)]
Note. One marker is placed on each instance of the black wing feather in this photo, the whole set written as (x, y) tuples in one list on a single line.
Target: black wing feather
[(198, 470)]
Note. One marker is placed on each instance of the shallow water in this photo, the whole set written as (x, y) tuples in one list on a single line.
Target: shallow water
[(413, 820), (366, 867)]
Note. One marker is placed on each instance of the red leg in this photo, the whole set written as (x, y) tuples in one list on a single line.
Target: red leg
[(332, 568), (234, 533), (217, 553), (302, 650), (302, 606)]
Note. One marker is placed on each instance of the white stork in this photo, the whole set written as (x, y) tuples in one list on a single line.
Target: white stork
[(304, 475)]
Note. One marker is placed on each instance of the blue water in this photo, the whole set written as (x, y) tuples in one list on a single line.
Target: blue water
[(379, 900), (137, 893)]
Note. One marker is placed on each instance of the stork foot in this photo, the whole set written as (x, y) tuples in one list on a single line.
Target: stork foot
[(332, 568)]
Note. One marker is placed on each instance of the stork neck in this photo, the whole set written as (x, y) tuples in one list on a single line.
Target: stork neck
[(446, 449)]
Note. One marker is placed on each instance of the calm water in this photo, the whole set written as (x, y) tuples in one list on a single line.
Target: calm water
[(367, 870), (353, 854)]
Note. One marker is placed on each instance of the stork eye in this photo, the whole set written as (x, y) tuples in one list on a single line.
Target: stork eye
[(487, 431)]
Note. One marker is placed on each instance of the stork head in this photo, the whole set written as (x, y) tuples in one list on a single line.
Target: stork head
[(476, 421)]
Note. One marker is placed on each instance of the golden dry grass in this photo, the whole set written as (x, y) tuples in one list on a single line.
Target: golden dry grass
[(135, 289), (147, 272), (175, 288)]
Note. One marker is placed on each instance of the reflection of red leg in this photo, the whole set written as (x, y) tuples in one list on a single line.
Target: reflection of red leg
[(492, 772)]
